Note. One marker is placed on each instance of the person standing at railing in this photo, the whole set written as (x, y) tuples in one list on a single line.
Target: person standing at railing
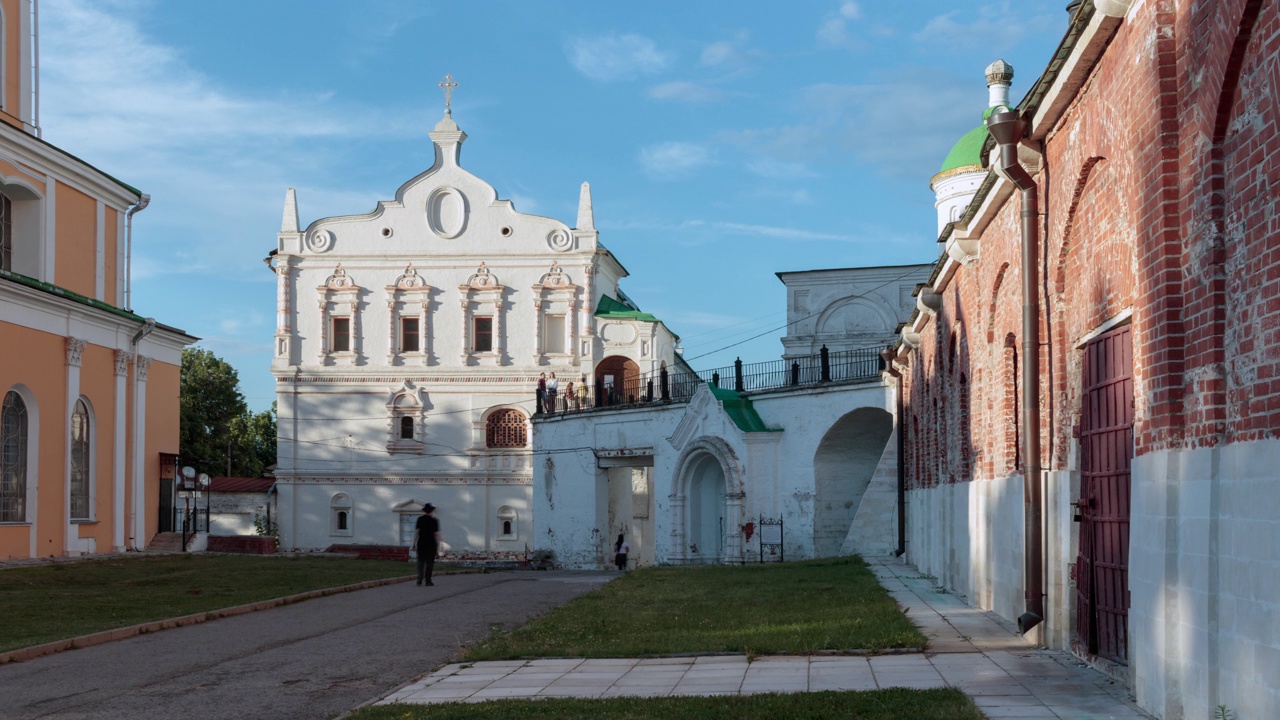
[(553, 387), (582, 393), (542, 393), (570, 397)]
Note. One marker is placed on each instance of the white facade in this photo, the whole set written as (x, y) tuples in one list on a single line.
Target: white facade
[(848, 308), (689, 483), (408, 347)]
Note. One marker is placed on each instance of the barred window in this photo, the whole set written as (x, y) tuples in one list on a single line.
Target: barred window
[(506, 429), (13, 459), (81, 462)]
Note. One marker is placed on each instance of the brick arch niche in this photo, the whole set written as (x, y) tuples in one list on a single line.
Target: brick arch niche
[(618, 380)]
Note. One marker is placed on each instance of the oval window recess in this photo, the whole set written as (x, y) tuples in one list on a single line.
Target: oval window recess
[(447, 212), (386, 232), (506, 232)]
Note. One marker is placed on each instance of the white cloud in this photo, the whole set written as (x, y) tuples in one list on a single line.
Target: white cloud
[(779, 170), (674, 159), (834, 30), (686, 92), (772, 231), (719, 53), (616, 57), (988, 27)]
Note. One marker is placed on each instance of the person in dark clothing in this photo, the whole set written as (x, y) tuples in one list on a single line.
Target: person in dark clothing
[(426, 540), (620, 550)]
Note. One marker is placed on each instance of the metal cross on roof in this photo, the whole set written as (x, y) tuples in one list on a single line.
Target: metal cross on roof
[(448, 86)]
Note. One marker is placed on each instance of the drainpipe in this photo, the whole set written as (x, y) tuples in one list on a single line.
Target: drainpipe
[(888, 354), (128, 251), (1007, 129)]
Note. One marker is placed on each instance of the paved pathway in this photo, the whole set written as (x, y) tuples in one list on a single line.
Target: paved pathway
[(969, 649), (313, 659)]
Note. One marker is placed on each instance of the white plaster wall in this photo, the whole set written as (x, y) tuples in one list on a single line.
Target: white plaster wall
[(232, 513), (874, 531), (1205, 581), (847, 308), (571, 494), (953, 193)]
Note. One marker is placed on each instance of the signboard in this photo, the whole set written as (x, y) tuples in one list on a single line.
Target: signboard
[(770, 534)]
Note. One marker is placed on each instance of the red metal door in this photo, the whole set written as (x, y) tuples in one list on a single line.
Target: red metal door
[(1106, 450)]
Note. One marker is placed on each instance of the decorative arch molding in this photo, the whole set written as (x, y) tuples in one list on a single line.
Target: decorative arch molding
[(26, 241), (881, 313), (719, 450), (406, 415), (991, 308), (1082, 182)]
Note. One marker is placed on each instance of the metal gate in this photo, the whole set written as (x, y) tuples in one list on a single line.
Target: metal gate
[(1106, 450)]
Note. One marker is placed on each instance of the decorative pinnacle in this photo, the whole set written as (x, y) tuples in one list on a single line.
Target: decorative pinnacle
[(449, 84)]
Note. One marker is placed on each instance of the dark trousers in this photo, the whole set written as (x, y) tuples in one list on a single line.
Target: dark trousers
[(426, 563)]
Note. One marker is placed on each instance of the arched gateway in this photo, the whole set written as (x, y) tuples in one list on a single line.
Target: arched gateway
[(706, 503)]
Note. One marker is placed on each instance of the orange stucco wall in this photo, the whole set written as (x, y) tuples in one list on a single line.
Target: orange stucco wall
[(97, 384), (109, 257), (77, 241), (162, 433), (12, 62), (41, 368)]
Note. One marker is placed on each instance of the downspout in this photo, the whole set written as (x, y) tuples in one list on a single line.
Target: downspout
[(143, 200), (1007, 128), (888, 354)]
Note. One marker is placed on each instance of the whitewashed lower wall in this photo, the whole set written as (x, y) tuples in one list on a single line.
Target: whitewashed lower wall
[(1204, 581), (468, 514), (874, 531)]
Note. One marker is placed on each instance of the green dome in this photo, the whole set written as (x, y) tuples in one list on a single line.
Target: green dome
[(968, 151)]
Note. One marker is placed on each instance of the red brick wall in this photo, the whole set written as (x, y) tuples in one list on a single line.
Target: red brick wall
[(1160, 197)]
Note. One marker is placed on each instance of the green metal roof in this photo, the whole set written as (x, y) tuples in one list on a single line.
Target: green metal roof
[(610, 308), (968, 151), (740, 410)]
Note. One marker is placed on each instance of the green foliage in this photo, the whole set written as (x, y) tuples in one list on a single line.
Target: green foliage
[(1222, 712), (216, 423), (55, 602), (832, 604), (890, 704)]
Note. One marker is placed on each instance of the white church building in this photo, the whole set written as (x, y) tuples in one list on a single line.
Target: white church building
[(407, 351)]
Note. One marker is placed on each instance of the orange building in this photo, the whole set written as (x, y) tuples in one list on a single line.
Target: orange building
[(89, 388)]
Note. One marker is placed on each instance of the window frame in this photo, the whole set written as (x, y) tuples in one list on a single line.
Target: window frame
[(80, 505), (501, 422), (333, 334), (341, 505), (476, 334), (405, 334), (19, 435)]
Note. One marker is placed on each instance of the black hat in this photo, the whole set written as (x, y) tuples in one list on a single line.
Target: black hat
[(428, 508)]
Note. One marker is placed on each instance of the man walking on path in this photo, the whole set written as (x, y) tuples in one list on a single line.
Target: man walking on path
[(426, 539)]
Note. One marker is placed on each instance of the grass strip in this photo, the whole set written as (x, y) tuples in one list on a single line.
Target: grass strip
[(66, 600), (794, 608), (890, 704)]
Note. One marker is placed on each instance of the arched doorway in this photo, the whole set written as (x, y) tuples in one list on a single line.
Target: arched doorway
[(842, 468), (617, 380), (706, 516)]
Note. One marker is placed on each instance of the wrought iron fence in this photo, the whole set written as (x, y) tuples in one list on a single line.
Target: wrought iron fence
[(665, 387)]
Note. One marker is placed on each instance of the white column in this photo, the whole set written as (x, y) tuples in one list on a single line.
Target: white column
[(75, 349), (498, 337), (323, 351), (140, 367), (120, 429), (537, 330), (570, 337), (393, 345), (424, 334), (284, 314), (588, 306), (466, 329)]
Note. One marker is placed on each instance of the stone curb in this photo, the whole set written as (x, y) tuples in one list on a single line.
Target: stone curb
[(106, 636)]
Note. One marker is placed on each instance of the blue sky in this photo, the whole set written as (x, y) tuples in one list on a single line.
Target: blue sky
[(724, 141)]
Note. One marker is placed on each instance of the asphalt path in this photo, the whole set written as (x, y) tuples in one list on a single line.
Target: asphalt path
[(314, 659)]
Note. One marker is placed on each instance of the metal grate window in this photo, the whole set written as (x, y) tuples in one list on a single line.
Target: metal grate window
[(80, 462), (13, 459), (506, 429)]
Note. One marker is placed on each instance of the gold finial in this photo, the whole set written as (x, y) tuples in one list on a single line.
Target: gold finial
[(448, 86)]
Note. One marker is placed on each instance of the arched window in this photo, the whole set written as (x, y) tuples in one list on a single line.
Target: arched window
[(506, 523), (406, 428), (81, 462), (506, 429), (13, 459), (341, 515)]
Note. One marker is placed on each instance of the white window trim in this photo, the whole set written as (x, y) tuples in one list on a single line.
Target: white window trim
[(334, 508)]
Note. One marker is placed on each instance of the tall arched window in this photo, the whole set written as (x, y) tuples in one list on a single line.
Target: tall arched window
[(13, 459), (81, 462), (506, 429)]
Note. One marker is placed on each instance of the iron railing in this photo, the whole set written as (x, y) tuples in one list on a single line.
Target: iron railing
[(665, 387), (194, 521)]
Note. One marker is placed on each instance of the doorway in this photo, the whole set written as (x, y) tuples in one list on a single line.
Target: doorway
[(1106, 453)]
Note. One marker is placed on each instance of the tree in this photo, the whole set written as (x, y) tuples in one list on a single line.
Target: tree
[(217, 426)]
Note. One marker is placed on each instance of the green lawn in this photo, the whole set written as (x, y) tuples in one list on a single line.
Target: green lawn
[(891, 704), (833, 604), (56, 602)]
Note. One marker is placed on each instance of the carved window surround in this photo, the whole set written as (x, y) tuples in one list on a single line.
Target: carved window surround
[(482, 296), (555, 294), (339, 298), (406, 401), (408, 297)]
